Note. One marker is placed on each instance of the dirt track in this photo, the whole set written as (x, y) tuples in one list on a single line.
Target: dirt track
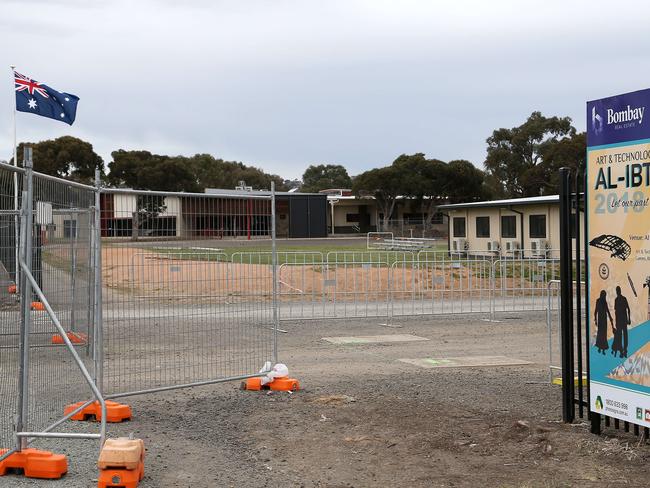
[(365, 419)]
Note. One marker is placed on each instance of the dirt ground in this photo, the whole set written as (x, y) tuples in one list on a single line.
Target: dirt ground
[(365, 419)]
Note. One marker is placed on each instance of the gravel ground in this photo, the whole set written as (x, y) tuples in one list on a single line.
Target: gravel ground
[(366, 419)]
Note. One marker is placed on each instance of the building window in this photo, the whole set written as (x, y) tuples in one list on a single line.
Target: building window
[(482, 226), (537, 226), (459, 227), (352, 217), (69, 229), (508, 226)]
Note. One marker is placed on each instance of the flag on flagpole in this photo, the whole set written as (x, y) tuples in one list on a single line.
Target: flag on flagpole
[(40, 99)]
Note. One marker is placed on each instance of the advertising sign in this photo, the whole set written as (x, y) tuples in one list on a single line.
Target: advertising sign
[(618, 195)]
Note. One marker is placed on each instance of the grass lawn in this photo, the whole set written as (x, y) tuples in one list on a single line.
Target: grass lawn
[(289, 253)]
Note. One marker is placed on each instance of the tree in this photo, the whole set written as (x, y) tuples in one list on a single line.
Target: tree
[(570, 152), (423, 179), (512, 154), (145, 171), (431, 182), (210, 172), (382, 183), (142, 170), (324, 176), (66, 157), (465, 182)]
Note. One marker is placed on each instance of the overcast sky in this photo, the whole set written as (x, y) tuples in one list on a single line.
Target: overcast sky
[(283, 84)]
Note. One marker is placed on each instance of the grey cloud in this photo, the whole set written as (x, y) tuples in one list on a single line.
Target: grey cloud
[(284, 84)]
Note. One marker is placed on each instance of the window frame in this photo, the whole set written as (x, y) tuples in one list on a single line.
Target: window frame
[(453, 226), (514, 227), (483, 219), (530, 226)]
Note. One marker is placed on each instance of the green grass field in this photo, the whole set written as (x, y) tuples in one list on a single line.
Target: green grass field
[(287, 254)]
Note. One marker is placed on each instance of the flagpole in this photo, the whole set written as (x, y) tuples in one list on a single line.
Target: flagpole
[(16, 227)]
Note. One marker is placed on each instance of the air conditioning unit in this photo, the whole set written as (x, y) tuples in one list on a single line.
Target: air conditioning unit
[(512, 247), (494, 246), (459, 245), (538, 247)]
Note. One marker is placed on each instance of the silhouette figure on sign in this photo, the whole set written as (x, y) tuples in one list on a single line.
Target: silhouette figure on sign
[(600, 317), (622, 314)]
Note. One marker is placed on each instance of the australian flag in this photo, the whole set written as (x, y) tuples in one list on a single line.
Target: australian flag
[(40, 99)]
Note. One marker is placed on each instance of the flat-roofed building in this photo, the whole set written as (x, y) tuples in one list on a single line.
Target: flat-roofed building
[(525, 227)]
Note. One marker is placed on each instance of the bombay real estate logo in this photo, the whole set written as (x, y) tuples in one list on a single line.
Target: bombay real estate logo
[(621, 119)]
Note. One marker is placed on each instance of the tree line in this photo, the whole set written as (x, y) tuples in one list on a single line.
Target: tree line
[(521, 161), (71, 158)]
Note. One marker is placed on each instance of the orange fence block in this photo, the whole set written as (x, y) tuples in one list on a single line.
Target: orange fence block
[(278, 384), (11, 289), (35, 464), (38, 306), (75, 338), (120, 478), (121, 463), (115, 412), (284, 384)]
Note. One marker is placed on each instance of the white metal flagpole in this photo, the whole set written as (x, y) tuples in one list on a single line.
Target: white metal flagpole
[(16, 219)]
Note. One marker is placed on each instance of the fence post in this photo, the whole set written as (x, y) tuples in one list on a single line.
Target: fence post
[(74, 217), (274, 261), (566, 277), (25, 298), (98, 336), (493, 289), (578, 283)]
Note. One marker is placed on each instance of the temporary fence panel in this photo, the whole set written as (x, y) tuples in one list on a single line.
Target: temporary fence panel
[(183, 316), (521, 284), (440, 287), (53, 312), (10, 182), (335, 289), (301, 292), (553, 324), (62, 265), (357, 288)]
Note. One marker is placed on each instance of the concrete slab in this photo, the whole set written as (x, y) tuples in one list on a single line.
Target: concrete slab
[(375, 339), (465, 362)]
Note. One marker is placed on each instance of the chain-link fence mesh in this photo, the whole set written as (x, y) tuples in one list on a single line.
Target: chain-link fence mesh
[(10, 186), (62, 266), (177, 311)]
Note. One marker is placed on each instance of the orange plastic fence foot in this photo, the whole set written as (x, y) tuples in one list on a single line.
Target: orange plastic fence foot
[(38, 306), (35, 464), (120, 478), (278, 384), (121, 463), (285, 384), (115, 412), (75, 338)]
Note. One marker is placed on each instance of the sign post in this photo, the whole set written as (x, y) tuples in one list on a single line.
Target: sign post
[(618, 299)]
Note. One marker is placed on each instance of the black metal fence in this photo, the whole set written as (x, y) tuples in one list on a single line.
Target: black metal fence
[(575, 337)]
